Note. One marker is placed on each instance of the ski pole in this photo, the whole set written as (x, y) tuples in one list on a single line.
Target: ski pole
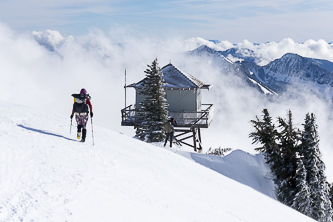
[(92, 132), (70, 129)]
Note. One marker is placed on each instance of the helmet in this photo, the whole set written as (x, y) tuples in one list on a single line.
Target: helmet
[(83, 91)]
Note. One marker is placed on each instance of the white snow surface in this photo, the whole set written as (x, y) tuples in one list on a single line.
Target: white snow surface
[(46, 175)]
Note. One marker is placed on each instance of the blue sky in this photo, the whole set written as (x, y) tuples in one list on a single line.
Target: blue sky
[(232, 20)]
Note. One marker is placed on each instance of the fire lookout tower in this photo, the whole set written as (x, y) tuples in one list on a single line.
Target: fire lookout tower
[(183, 94)]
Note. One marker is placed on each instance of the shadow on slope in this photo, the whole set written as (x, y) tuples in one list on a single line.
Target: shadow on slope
[(243, 167), (45, 132)]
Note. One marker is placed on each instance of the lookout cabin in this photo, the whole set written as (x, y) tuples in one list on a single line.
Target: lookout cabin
[(184, 96)]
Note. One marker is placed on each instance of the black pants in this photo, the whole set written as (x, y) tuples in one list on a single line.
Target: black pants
[(169, 136)]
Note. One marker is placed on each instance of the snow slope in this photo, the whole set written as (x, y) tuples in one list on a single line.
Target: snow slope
[(46, 175)]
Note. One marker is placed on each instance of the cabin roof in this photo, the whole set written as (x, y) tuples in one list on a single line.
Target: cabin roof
[(177, 79)]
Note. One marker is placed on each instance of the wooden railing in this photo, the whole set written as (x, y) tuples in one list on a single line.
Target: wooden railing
[(200, 119), (128, 116)]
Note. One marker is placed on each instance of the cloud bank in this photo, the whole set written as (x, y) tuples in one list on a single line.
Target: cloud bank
[(43, 69)]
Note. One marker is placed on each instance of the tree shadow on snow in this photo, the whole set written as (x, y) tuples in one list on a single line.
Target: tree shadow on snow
[(45, 132)]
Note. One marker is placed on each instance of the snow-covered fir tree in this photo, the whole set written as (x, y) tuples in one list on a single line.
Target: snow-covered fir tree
[(288, 152), (315, 168), (331, 193), (266, 134), (296, 164), (302, 201), (278, 149), (153, 112)]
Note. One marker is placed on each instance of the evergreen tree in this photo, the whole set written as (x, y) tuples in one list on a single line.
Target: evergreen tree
[(153, 112), (286, 172), (266, 134), (315, 167), (302, 201), (274, 149), (296, 162), (323, 191), (331, 193)]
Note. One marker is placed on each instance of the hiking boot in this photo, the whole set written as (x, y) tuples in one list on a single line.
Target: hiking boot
[(84, 133)]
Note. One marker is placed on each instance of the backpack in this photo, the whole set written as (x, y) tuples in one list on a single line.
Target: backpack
[(80, 103)]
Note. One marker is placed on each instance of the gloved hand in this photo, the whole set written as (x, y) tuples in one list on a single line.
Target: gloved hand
[(91, 114), (72, 116)]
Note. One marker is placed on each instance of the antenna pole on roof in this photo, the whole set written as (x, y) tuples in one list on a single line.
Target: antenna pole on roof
[(125, 89)]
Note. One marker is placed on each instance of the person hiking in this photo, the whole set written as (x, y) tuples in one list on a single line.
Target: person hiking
[(81, 111), (169, 130)]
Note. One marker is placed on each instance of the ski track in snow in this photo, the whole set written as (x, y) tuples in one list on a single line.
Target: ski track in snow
[(46, 175)]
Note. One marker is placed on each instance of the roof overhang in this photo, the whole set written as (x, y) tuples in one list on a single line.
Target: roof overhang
[(176, 79)]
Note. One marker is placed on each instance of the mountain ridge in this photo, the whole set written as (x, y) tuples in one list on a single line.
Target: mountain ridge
[(289, 70)]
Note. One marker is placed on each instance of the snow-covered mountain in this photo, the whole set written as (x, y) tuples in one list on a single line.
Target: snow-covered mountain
[(46, 175), (229, 62), (292, 66), (290, 69), (239, 54)]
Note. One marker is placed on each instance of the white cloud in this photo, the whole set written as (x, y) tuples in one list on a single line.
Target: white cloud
[(273, 50), (51, 39)]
